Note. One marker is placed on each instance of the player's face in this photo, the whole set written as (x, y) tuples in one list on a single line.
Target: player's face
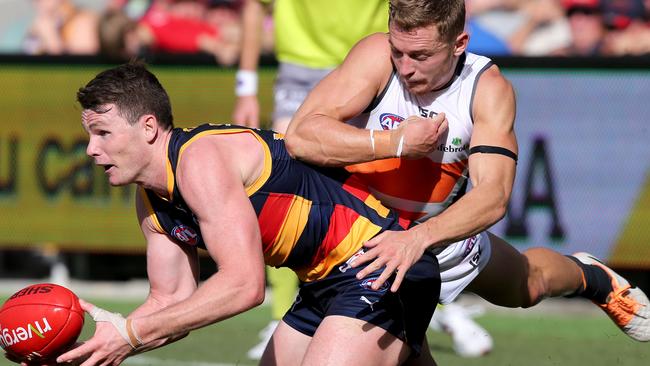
[(114, 144), (423, 61)]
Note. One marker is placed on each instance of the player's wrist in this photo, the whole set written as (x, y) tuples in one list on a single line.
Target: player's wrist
[(246, 83), (389, 144)]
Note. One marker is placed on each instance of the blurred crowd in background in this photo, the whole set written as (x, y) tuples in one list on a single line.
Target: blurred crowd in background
[(122, 29)]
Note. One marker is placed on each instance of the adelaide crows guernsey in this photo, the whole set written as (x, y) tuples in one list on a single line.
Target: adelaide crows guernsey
[(421, 188), (311, 219)]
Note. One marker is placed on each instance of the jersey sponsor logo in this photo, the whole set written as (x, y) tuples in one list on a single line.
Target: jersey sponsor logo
[(389, 121), (367, 283), (454, 147), (9, 337), (185, 234), (426, 113)]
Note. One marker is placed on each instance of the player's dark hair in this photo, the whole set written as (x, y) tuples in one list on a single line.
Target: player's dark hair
[(447, 15), (133, 89)]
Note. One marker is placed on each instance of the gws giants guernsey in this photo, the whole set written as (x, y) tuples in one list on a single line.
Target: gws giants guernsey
[(419, 189), (311, 219)]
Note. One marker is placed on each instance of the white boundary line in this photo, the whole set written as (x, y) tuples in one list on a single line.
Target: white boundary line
[(146, 360)]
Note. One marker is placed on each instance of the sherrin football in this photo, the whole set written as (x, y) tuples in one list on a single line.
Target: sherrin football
[(40, 322)]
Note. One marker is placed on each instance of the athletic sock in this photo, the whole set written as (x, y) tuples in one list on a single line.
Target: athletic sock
[(598, 284)]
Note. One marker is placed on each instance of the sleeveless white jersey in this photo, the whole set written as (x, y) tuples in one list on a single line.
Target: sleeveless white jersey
[(419, 189)]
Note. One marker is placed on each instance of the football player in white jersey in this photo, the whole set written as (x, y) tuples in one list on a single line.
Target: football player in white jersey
[(421, 69)]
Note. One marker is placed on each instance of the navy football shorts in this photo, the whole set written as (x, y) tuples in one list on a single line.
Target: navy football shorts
[(405, 314)]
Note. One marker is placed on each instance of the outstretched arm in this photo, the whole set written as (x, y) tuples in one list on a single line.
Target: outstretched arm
[(317, 132), (173, 274), (211, 184)]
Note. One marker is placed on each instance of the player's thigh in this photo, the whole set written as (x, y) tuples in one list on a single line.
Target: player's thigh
[(341, 340), (504, 279), (287, 347)]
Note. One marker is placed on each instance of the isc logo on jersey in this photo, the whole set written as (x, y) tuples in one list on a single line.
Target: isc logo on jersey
[(389, 121), (9, 337), (185, 234)]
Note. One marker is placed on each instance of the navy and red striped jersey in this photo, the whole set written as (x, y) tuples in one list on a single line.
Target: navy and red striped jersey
[(311, 218)]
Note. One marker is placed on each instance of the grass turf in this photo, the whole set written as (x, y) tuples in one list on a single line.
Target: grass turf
[(533, 340)]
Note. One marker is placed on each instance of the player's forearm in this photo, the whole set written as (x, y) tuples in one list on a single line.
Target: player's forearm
[(252, 19), (475, 212), (323, 140), (219, 298)]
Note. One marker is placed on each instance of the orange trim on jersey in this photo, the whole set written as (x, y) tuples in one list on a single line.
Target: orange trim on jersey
[(152, 213), (282, 221), (266, 171), (420, 180), (339, 244), (357, 188)]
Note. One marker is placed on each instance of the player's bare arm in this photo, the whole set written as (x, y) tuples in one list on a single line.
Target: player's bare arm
[(492, 172), (247, 107), (212, 183), (166, 288), (492, 176), (317, 134)]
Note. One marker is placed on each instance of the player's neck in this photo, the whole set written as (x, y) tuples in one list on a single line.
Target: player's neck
[(155, 175)]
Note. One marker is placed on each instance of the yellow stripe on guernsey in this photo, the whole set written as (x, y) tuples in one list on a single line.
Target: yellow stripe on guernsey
[(376, 205), (290, 231), (266, 172), (361, 231), (151, 214)]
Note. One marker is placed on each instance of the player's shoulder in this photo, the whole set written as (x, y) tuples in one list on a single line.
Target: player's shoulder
[(493, 81), (374, 43)]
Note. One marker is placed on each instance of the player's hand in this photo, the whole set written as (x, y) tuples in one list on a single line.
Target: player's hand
[(397, 250), (247, 111), (22, 362), (106, 347), (420, 135)]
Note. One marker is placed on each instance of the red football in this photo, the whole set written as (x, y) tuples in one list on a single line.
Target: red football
[(40, 322)]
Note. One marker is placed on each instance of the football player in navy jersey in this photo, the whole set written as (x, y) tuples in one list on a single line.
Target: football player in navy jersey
[(235, 192)]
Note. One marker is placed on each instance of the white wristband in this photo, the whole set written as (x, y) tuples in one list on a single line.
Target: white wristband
[(245, 83), (372, 141), (400, 146)]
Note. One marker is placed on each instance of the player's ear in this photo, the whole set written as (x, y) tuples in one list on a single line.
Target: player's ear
[(150, 126), (460, 44)]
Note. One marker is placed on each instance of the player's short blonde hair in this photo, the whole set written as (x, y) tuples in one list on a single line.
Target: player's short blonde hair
[(447, 15)]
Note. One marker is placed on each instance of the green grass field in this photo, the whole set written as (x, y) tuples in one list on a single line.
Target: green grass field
[(531, 340)]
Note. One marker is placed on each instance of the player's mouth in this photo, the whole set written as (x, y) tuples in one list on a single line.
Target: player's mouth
[(108, 168)]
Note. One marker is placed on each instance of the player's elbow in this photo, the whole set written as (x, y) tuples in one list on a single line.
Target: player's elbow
[(294, 144), (500, 206), (253, 293)]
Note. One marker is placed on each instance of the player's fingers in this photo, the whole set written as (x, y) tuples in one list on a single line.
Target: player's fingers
[(86, 306), (76, 353), (399, 276), (365, 258), (374, 241), (92, 361), (373, 266), (383, 277), (443, 127)]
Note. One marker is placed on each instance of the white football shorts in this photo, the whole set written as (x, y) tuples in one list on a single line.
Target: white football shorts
[(460, 263)]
